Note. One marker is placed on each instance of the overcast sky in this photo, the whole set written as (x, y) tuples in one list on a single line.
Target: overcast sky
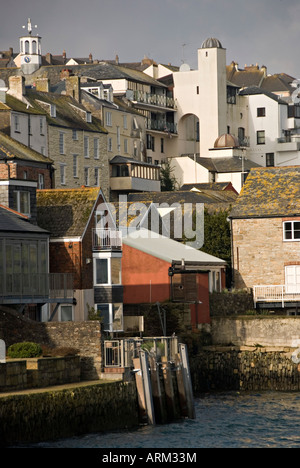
[(266, 32)]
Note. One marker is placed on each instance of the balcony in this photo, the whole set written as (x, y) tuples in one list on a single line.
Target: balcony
[(129, 175), (153, 100), (36, 288), (277, 295), (288, 143), (161, 126), (107, 239)]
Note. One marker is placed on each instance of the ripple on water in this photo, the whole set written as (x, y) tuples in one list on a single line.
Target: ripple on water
[(223, 420)]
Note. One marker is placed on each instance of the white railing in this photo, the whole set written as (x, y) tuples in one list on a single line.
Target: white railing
[(107, 239), (120, 353), (274, 293)]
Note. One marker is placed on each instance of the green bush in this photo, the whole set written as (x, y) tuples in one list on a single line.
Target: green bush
[(25, 349)]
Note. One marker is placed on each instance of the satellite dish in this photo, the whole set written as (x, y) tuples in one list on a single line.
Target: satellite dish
[(185, 68)]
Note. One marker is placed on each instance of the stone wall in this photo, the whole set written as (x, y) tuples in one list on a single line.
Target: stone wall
[(253, 330), (259, 252), (241, 368), (231, 303), (13, 376), (20, 374), (48, 415), (84, 336)]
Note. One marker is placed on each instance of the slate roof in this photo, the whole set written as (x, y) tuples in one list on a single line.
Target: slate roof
[(209, 186), (269, 192), (278, 82), (212, 199), (226, 164), (12, 221), (243, 78), (254, 90), (66, 212), (123, 160), (12, 149), (66, 114), (100, 71)]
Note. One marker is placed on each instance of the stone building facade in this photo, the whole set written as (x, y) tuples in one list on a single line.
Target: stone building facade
[(265, 225)]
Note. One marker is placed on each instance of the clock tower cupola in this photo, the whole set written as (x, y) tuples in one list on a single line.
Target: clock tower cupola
[(30, 51)]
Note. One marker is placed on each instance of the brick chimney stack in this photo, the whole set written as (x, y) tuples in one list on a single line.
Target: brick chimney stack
[(17, 87)]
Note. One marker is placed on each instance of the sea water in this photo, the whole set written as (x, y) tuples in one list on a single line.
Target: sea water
[(223, 420)]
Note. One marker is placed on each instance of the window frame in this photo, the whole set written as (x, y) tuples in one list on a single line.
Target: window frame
[(86, 146), (96, 148), (292, 231), (260, 112), (108, 118), (62, 149), (18, 201), (261, 137), (109, 271)]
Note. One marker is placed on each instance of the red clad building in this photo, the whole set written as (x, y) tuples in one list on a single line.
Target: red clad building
[(157, 269)]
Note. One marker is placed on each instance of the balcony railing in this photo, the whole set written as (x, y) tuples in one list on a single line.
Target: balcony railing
[(120, 353), (274, 293), (153, 99), (42, 287), (107, 239), (161, 126)]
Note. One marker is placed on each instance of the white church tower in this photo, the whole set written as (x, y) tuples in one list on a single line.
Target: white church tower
[(30, 51), (212, 93)]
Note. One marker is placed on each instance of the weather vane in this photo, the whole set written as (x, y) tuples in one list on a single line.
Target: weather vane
[(29, 26)]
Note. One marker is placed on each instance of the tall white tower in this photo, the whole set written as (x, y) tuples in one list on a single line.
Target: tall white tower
[(30, 51), (212, 93)]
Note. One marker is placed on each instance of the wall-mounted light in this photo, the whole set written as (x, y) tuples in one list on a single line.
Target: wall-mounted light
[(88, 260)]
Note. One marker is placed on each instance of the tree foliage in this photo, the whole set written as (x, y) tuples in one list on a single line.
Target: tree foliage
[(217, 237), (167, 179)]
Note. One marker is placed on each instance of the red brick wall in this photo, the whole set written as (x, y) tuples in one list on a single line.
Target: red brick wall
[(16, 171), (33, 174)]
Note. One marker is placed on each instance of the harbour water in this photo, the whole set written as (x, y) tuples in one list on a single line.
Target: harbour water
[(223, 420)]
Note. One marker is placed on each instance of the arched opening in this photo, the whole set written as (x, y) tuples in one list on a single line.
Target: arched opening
[(34, 48), (188, 129), (26, 47)]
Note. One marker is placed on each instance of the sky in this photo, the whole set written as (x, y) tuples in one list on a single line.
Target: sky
[(263, 32)]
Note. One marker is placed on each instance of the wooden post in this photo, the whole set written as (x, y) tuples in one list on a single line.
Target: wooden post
[(140, 390), (147, 387), (160, 411), (2, 352), (169, 390), (181, 387), (187, 380)]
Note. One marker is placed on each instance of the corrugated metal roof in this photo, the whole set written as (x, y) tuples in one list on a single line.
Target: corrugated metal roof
[(167, 249)]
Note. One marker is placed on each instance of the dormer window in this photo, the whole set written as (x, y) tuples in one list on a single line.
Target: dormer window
[(89, 117)]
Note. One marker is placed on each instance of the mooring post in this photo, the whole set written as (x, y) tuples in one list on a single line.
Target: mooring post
[(2, 352), (181, 388), (160, 411), (187, 380), (169, 390), (147, 386)]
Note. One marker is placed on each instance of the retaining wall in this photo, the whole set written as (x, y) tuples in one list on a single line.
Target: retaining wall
[(244, 368), (48, 415), (20, 374), (251, 330)]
